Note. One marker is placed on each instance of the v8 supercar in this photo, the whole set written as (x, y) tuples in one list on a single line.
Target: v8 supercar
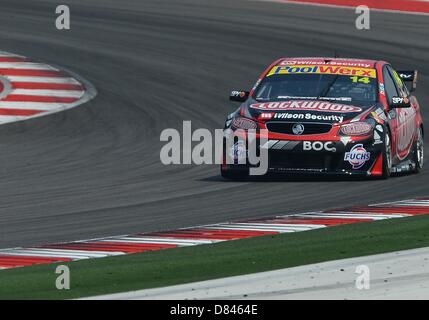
[(331, 116)]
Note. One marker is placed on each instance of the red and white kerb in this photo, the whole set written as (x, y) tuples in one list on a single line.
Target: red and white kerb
[(128, 244), (30, 89)]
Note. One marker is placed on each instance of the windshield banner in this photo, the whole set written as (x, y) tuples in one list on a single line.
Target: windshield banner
[(334, 70)]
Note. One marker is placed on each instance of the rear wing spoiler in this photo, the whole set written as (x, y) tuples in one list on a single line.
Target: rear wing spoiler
[(409, 76)]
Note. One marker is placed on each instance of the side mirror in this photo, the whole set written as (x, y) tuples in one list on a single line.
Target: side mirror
[(410, 77), (398, 102), (239, 96)]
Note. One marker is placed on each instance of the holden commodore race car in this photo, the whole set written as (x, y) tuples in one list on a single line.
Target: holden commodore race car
[(330, 116)]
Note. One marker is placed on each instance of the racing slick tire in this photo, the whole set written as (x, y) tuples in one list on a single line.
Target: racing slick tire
[(418, 152), (387, 157), (234, 174)]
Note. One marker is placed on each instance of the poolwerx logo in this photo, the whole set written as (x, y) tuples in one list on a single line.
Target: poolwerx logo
[(314, 69)]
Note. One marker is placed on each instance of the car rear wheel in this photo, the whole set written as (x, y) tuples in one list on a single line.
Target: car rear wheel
[(419, 152), (387, 157)]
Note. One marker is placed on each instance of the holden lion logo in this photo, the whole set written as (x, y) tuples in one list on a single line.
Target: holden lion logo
[(298, 129), (357, 156)]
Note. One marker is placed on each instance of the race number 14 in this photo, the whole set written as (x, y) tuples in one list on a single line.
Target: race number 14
[(360, 79)]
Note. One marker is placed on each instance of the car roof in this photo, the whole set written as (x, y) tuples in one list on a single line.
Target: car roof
[(363, 63)]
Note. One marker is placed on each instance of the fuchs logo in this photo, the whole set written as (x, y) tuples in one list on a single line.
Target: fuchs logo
[(357, 156), (298, 129), (305, 105)]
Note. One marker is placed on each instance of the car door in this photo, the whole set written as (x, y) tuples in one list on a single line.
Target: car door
[(402, 119)]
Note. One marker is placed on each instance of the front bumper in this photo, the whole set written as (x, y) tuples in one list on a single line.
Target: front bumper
[(309, 157), (324, 157)]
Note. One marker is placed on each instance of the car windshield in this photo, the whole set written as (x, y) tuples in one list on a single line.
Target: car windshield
[(355, 87)]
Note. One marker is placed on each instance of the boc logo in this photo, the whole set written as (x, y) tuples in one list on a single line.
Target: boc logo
[(357, 156)]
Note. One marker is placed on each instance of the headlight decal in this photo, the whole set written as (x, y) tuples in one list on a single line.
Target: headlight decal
[(360, 128), (244, 123)]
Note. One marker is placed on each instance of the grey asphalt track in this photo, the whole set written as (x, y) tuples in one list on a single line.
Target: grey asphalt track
[(95, 170)]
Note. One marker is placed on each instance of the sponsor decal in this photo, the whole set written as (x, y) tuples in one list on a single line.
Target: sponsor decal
[(243, 123), (407, 128), (377, 138), (239, 151), (357, 156), (392, 114), (382, 89), (398, 100), (348, 99), (356, 128), (298, 129), (379, 115), (319, 146), (314, 69), (266, 115), (306, 105), (332, 63), (240, 94), (306, 116), (406, 76)]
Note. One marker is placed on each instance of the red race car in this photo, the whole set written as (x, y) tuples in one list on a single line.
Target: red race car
[(332, 116)]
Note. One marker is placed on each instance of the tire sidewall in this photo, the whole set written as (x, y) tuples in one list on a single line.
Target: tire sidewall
[(419, 165), (387, 155)]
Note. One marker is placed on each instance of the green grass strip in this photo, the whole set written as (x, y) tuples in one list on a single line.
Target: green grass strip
[(204, 262)]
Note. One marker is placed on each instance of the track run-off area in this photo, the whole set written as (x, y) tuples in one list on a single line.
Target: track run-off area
[(208, 234), (94, 171)]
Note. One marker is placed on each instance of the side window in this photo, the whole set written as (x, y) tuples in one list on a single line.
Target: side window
[(389, 84), (403, 90)]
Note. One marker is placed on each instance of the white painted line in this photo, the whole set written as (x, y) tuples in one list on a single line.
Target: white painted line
[(254, 228), (176, 241), (31, 105), (60, 253), (267, 227), (8, 54), (60, 80), (398, 214), (410, 204), (45, 255), (26, 65), (15, 118), (352, 216), (51, 93), (300, 225), (281, 225)]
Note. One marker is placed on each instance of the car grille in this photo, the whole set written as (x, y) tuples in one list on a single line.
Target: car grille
[(292, 161), (309, 128)]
